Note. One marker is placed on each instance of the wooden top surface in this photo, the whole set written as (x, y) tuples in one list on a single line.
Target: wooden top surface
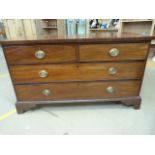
[(105, 38)]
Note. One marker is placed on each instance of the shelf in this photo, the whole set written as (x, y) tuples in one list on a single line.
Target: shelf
[(136, 20), (50, 27), (110, 29), (48, 19)]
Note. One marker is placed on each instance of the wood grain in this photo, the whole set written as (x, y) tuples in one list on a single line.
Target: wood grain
[(105, 39), (84, 76), (26, 54), (76, 72), (130, 51), (77, 90)]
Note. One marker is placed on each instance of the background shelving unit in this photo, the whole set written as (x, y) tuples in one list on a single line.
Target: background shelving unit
[(153, 28), (37, 28), (105, 31), (49, 27), (33, 28), (139, 27)]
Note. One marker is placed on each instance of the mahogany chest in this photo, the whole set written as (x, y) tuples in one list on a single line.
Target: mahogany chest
[(77, 70)]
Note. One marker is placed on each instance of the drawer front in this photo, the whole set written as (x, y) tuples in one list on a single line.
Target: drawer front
[(110, 52), (77, 90), (40, 54), (76, 72)]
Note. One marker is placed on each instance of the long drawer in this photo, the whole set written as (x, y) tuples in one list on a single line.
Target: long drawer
[(76, 72), (77, 90), (113, 52), (40, 54)]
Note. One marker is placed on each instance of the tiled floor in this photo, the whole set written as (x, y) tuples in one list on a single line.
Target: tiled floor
[(86, 119)]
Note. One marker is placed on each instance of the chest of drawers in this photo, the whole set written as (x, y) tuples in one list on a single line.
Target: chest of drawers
[(65, 71)]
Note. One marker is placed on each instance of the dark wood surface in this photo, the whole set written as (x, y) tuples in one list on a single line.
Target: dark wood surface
[(53, 54), (130, 51), (76, 72), (77, 90), (23, 106), (107, 38), (77, 69), (136, 102)]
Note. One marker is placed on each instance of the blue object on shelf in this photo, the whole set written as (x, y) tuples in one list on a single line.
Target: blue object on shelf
[(104, 26)]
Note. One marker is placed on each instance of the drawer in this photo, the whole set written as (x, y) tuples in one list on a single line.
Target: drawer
[(113, 52), (40, 54), (77, 72), (77, 90)]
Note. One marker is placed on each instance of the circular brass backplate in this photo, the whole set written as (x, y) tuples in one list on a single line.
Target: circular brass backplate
[(43, 73), (114, 52), (39, 54)]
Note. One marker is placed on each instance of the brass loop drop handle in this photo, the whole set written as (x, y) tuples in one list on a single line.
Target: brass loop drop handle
[(114, 52), (46, 92), (40, 54), (112, 70), (43, 73), (110, 89)]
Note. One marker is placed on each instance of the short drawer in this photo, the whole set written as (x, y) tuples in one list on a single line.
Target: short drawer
[(40, 54), (113, 52), (76, 72), (77, 90)]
